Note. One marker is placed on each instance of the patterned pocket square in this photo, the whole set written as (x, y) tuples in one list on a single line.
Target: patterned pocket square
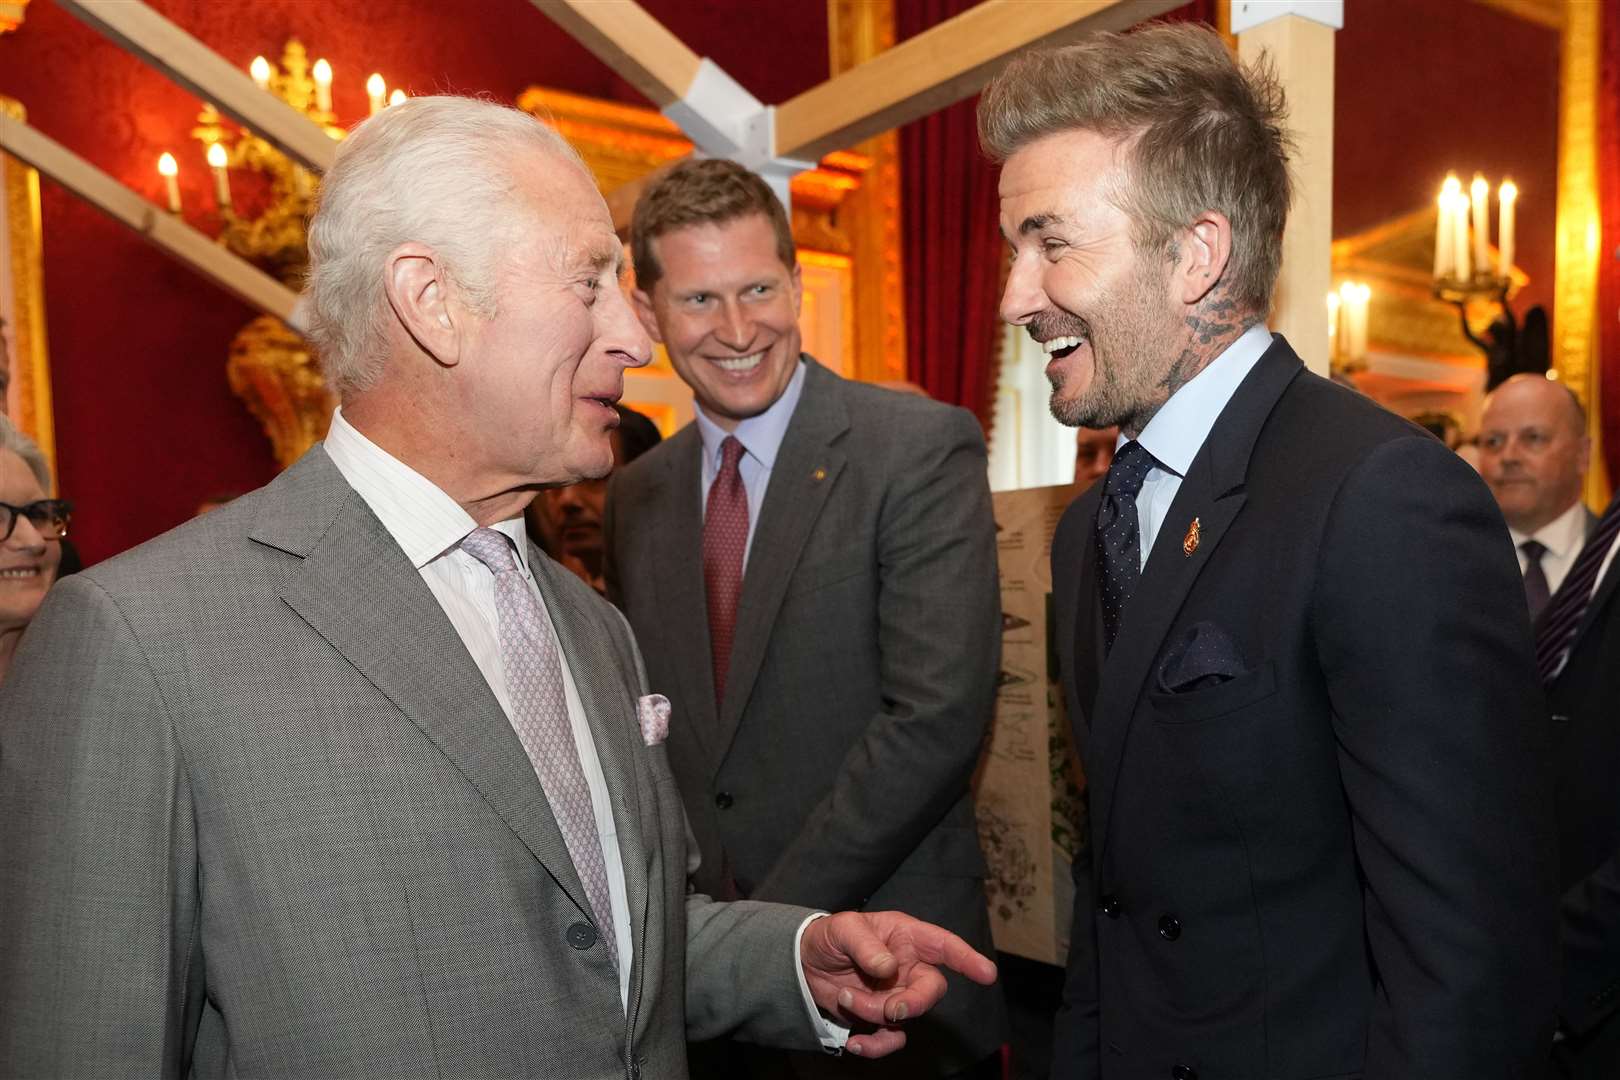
[(653, 712), (1204, 656)]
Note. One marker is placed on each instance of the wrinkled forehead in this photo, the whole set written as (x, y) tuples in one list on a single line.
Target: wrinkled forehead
[(564, 222), (1075, 177)]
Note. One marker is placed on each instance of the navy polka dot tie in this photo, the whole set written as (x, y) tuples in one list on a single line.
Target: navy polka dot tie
[(1119, 549)]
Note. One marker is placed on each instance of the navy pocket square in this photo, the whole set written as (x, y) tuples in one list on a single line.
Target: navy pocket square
[(1204, 655)]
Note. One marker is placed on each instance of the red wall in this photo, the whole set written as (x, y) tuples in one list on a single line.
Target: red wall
[(1421, 88), (146, 425)]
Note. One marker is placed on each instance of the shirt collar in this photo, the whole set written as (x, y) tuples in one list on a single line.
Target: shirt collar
[(1178, 430), (1562, 535), (422, 519), (761, 436)]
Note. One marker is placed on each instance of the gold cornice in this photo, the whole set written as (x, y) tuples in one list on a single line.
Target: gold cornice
[(30, 366), (1579, 228), (11, 14), (1548, 13), (858, 30)]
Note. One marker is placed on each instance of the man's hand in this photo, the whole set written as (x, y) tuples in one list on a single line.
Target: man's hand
[(881, 967)]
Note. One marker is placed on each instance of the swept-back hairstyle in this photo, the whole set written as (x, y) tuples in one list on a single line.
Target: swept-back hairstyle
[(20, 444), (1202, 132), (435, 170), (700, 191)]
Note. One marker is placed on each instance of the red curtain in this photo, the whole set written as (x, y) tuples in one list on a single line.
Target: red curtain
[(953, 251), (1608, 337)]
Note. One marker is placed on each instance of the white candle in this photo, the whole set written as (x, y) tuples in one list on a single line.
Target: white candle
[(171, 173), (222, 180), (323, 85), (377, 91), (1445, 236), (1481, 193), (1508, 196), (1459, 237), (1442, 237), (260, 70), (1333, 304), (396, 97), (1361, 295)]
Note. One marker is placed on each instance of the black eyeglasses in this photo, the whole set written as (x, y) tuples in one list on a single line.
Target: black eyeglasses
[(49, 516)]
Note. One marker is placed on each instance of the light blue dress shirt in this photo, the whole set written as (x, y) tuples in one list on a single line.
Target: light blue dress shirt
[(761, 437), (1179, 429)]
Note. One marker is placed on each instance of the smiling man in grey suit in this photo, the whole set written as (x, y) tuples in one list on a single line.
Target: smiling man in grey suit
[(346, 779), (811, 567)]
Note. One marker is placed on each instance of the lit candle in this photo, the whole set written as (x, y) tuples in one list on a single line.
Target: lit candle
[(1450, 191), (1442, 237), (1507, 196), (323, 85), (1481, 192), (1459, 237), (222, 181), (1360, 300), (1333, 325), (396, 97), (260, 70), (377, 91), (171, 173)]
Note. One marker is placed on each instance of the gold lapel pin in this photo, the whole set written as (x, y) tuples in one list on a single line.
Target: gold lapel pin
[(819, 474), (1189, 543)]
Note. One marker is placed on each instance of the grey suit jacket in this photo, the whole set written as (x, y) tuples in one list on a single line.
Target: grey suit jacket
[(862, 678), (262, 816)]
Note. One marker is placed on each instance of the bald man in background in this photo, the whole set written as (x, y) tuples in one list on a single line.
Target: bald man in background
[(1533, 451)]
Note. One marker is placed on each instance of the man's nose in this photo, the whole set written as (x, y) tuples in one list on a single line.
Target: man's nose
[(1023, 298), (736, 328)]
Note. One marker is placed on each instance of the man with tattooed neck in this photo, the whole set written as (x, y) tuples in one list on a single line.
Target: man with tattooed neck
[(1290, 624)]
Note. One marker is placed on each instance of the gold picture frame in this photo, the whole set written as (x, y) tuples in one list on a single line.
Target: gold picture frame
[(27, 398)]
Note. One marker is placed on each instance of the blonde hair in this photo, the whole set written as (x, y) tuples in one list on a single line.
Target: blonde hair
[(1203, 132), (701, 191), (436, 170)]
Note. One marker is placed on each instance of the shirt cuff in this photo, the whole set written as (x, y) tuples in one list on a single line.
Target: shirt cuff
[(832, 1036)]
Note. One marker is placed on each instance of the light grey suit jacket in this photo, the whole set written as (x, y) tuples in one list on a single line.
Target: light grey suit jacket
[(260, 815), (862, 678)]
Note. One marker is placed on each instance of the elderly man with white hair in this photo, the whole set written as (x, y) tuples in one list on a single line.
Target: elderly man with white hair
[(346, 779)]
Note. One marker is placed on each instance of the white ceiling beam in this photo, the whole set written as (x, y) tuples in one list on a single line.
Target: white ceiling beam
[(635, 45), (166, 231), (147, 35), (938, 67)]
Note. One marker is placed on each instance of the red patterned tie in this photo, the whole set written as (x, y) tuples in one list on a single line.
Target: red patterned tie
[(725, 536)]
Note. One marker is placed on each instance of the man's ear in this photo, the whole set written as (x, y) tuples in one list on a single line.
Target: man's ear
[(1205, 250), (797, 285), (419, 292), (643, 303)]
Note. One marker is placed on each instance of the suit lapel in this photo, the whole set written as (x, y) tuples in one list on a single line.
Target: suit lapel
[(806, 469), (1082, 637), (1212, 492), (356, 588), (1600, 599), (607, 700), (683, 607)]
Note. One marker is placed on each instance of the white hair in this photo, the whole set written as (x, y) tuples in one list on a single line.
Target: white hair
[(435, 170), (27, 449)]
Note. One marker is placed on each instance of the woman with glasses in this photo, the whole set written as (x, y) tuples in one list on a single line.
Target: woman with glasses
[(32, 526)]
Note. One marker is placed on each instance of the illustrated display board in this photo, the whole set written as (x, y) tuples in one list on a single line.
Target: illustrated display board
[(1028, 790)]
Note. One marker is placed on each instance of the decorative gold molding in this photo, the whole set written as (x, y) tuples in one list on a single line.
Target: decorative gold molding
[(30, 394), (11, 14), (1575, 280), (272, 370), (1549, 13), (858, 30)]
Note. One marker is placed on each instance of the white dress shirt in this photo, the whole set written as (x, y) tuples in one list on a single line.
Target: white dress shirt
[(1178, 430), (1563, 537), (761, 437), (429, 526)]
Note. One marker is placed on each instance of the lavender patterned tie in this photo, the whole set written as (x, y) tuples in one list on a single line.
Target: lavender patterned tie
[(534, 683)]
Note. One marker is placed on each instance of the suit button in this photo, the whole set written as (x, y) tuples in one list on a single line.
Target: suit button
[(1110, 905), (1169, 927), (1184, 1072), (723, 800), (582, 935), (635, 1069), (1560, 718)]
